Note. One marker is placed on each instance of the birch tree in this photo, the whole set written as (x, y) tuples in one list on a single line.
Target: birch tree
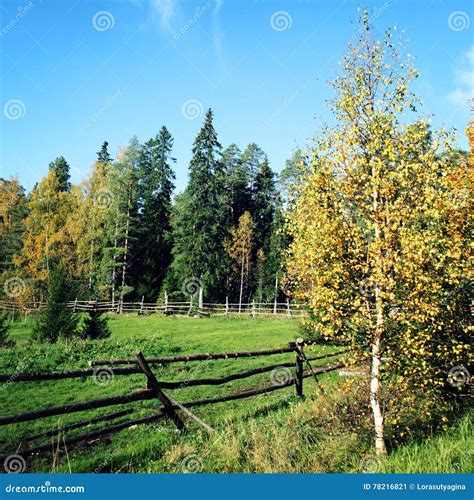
[(379, 242), (239, 247)]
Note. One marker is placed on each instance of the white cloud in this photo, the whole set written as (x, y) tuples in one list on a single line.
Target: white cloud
[(164, 10), (218, 6), (463, 94)]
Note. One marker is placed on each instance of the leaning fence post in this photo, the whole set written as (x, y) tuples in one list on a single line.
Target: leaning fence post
[(74, 306), (154, 384), (299, 368)]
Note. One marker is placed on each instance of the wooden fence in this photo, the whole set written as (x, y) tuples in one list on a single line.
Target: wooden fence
[(294, 372), (189, 308)]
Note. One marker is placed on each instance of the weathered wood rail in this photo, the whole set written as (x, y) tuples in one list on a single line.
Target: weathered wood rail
[(255, 309), (170, 408)]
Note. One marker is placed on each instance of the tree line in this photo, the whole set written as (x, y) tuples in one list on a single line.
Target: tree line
[(122, 233)]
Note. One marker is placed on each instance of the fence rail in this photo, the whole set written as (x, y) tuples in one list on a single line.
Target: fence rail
[(154, 390), (255, 309)]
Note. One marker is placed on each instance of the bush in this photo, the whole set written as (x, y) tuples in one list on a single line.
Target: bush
[(95, 326), (56, 321), (4, 327)]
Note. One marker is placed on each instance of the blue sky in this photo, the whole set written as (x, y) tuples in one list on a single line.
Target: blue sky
[(77, 72)]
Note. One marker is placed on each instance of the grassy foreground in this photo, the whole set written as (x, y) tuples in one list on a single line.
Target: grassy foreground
[(277, 432)]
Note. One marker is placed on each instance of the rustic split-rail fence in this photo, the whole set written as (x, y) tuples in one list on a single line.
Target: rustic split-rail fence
[(167, 307), (179, 413)]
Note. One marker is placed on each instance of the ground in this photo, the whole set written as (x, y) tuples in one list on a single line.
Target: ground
[(268, 433)]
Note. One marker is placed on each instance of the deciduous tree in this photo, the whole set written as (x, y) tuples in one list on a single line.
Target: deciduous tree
[(379, 237)]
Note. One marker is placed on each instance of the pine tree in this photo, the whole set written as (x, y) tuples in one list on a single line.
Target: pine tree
[(56, 321), (61, 168), (293, 175), (103, 155), (251, 159)]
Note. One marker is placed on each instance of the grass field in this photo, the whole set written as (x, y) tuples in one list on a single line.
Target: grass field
[(276, 432)]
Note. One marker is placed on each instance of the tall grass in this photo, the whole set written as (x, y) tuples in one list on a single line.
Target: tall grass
[(450, 452)]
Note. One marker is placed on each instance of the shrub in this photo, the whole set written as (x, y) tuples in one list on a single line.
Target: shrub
[(56, 321), (96, 326), (4, 327)]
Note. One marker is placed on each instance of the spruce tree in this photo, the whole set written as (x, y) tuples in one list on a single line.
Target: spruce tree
[(4, 327), (200, 218), (154, 239), (237, 182), (96, 326), (61, 168), (264, 197), (103, 155), (56, 320)]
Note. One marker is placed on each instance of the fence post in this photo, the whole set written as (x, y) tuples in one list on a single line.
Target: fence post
[(276, 295), (288, 308), (74, 306), (121, 305), (299, 368), (191, 300), (253, 309), (166, 301), (154, 384), (201, 300), (141, 304), (227, 305)]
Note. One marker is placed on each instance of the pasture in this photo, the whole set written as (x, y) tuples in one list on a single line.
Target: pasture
[(275, 432)]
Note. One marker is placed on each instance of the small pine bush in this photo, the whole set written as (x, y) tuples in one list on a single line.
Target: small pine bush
[(4, 327), (95, 326), (56, 321)]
